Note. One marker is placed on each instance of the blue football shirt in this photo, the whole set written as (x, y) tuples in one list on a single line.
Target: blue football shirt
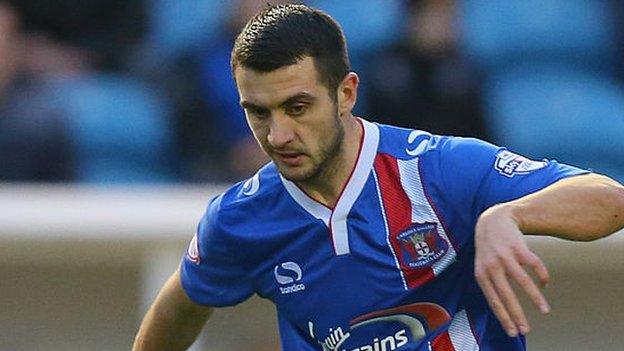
[(390, 267)]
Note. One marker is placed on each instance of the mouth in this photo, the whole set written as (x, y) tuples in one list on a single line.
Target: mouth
[(290, 158)]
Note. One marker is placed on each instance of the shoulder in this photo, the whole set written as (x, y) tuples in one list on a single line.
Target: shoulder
[(441, 158), (405, 143), (244, 202), (251, 192)]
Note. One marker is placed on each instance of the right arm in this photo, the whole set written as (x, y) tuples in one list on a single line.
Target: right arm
[(173, 321)]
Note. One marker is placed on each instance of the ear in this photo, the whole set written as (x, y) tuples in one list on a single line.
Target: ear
[(347, 93)]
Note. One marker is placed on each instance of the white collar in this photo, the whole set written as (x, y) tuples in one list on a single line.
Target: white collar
[(336, 220)]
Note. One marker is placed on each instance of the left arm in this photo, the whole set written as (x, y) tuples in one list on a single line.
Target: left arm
[(581, 208)]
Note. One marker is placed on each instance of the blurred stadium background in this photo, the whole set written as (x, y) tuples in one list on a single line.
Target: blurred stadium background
[(119, 120)]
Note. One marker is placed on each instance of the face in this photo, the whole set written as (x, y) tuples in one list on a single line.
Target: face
[(293, 118)]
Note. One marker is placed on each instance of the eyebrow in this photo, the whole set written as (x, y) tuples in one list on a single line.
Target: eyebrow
[(303, 96)]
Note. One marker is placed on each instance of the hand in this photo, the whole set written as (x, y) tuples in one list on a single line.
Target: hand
[(502, 253)]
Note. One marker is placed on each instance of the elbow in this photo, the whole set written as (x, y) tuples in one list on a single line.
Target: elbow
[(618, 214), (608, 216), (613, 208), (617, 200), (611, 203)]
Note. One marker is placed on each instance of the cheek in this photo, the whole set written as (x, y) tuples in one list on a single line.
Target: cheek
[(259, 131), (314, 136)]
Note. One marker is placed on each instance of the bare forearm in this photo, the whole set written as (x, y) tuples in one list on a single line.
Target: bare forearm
[(579, 208), (585, 207), (161, 332), (172, 323)]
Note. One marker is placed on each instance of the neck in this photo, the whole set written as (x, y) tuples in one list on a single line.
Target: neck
[(327, 186)]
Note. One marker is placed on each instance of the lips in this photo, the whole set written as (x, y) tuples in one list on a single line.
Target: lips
[(290, 158)]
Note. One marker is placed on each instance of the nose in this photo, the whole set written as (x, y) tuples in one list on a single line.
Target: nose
[(280, 132)]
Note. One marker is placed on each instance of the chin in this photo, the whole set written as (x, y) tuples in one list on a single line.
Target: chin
[(296, 175)]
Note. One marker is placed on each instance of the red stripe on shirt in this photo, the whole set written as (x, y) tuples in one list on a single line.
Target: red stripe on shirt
[(442, 342), (398, 209)]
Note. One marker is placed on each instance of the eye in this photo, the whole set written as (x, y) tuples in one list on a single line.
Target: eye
[(258, 113), (296, 110)]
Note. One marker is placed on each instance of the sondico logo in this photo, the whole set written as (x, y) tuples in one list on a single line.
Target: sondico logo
[(417, 142), (252, 185), (288, 273)]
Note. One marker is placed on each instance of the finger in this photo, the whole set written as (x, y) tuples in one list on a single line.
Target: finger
[(537, 265), (527, 284), (510, 301), (496, 304)]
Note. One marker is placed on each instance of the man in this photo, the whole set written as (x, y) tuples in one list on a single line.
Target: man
[(34, 143), (363, 235)]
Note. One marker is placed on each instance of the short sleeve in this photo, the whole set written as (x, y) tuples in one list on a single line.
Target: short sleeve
[(212, 272), (478, 175)]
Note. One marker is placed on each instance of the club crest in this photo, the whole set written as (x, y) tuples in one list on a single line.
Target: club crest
[(421, 245)]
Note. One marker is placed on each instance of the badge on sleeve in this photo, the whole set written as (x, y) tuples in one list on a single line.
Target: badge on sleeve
[(510, 164)]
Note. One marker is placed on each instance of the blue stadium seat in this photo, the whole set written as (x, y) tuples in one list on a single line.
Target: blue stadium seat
[(177, 27), (559, 113), (119, 129), (496, 33), (368, 24)]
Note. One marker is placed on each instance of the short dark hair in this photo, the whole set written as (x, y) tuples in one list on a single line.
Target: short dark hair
[(282, 35)]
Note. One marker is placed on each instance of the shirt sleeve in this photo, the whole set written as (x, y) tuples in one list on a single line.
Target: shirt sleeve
[(212, 271), (478, 175)]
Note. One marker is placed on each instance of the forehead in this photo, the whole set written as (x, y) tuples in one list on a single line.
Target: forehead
[(270, 88)]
